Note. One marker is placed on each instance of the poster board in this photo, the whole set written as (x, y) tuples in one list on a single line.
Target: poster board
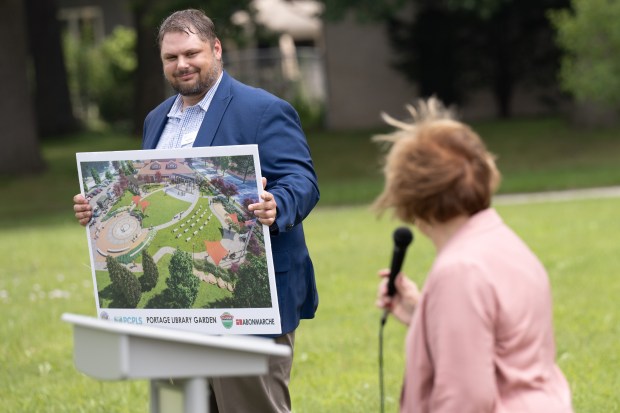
[(171, 241)]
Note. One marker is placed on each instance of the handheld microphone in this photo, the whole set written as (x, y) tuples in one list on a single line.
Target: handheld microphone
[(402, 238)]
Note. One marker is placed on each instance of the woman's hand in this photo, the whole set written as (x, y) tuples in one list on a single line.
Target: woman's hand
[(403, 303)]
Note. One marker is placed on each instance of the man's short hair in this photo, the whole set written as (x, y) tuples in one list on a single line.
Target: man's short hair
[(188, 21)]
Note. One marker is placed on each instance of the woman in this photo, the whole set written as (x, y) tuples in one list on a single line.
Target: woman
[(480, 334)]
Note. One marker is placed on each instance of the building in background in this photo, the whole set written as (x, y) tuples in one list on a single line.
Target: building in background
[(339, 74)]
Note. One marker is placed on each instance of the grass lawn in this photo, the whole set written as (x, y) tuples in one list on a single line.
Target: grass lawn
[(161, 208), (534, 154), (124, 202), (45, 271), (168, 237), (336, 366)]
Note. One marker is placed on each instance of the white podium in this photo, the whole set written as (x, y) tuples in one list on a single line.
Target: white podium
[(177, 363)]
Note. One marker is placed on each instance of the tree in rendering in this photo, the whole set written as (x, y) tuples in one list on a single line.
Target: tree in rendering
[(182, 284)]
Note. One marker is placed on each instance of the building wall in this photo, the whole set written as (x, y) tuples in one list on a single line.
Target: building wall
[(112, 12), (360, 81)]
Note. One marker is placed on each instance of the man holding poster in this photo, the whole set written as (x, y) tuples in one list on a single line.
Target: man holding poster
[(213, 109)]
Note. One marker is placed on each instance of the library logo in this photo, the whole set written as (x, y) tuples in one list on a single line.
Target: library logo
[(227, 320)]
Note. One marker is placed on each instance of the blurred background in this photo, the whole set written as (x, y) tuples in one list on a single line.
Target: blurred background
[(93, 65), (537, 79)]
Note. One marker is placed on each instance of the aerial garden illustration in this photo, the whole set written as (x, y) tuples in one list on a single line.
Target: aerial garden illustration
[(176, 233)]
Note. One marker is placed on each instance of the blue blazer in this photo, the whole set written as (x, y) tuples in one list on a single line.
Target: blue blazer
[(238, 115)]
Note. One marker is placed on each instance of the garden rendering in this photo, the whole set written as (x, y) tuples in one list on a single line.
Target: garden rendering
[(176, 233)]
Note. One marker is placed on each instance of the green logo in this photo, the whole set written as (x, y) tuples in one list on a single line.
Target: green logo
[(227, 320)]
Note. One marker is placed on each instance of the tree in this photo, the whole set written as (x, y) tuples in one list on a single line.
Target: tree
[(125, 284), (244, 165), (497, 44), (20, 147), (132, 290), (182, 284), (114, 272), (229, 189), (95, 175), (451, 48), (221, 162), (149, 89), (591, 39), (53, 104), (252, 288), (150, 275)]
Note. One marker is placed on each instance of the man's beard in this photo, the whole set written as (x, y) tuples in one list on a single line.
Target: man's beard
[(200, 87)]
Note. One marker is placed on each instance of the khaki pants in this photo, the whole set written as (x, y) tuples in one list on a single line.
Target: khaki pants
[(256, 394)]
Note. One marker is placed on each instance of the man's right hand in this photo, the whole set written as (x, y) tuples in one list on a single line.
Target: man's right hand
[(83, 210)]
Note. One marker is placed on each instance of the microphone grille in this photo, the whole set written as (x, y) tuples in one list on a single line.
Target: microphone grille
[(403, 236)]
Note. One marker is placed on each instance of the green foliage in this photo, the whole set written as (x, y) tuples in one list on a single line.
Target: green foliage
[(125, 284), (132, 290), (311, 113), (207, 266), (95, 175), (102, 75), (454, 48), (590, 35), (182, 284), (114, 272), (244, 166), (252, 288), (151, 273)]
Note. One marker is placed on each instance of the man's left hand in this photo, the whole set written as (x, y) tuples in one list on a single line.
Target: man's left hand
[(265, 210)]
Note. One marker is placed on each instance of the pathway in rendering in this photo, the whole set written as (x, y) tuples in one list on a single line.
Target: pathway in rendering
[(123, 233)]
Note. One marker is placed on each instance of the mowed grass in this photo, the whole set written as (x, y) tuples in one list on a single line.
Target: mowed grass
[(534, 154), (211, 230), (45, 272), (336, 368), (161, 208)]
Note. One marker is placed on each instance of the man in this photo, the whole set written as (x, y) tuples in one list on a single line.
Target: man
[(213, 109)]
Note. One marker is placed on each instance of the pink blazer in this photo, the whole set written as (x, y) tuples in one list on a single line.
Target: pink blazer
[(481, 339)]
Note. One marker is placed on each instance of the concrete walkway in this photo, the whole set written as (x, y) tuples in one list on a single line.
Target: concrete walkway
[(554, 196)]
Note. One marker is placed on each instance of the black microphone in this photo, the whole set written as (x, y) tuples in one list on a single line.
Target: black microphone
[(402, 238)]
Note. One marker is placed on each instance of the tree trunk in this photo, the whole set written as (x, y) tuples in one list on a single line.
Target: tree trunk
[(503, 88), (150, 83), (20, 152), (52, 102)]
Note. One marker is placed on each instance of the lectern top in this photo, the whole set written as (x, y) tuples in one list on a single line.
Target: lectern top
[(249, 344)]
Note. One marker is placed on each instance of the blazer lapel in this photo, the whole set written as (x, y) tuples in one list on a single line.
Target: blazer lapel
[(214, 114), (159, 118)]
